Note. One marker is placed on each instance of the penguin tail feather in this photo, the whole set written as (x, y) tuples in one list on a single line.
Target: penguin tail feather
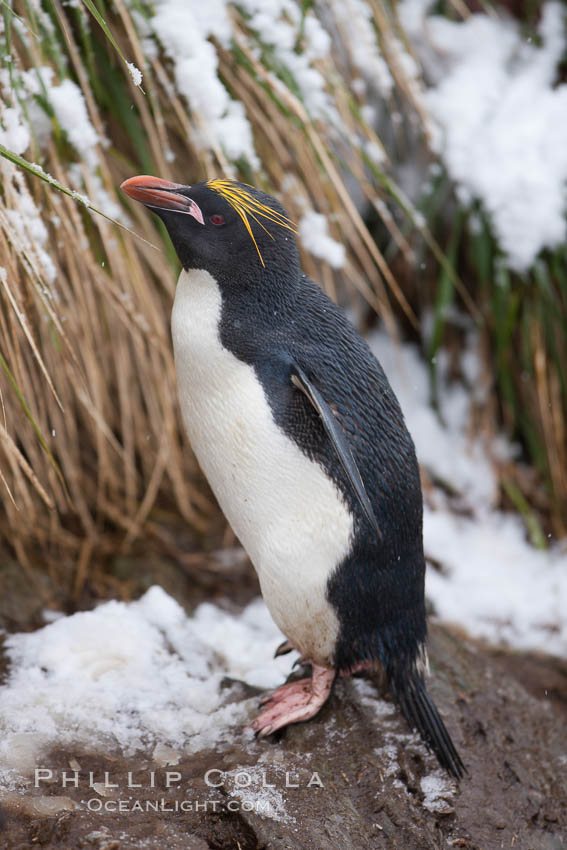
[(421, 713)]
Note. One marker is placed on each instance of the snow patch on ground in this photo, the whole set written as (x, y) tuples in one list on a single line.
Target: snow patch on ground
[(387, 717), (500, 118), (497, 585), (443, 445), (248, 785), (438, 791), (133, 675)]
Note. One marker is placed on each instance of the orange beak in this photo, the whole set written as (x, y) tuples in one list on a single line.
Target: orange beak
[(160, 194)]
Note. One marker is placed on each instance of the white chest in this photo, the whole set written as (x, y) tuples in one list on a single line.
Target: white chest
[(288, 515)]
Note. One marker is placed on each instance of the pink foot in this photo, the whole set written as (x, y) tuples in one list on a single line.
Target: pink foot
[(295, 701)]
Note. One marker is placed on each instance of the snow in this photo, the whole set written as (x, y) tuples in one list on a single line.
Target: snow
[(438, 791), (99, 197), (134, 675), (71, 112), (355, 21), (25, 115), (26, 223), (68, 104), (278, 25), (498, 586), (183, 31), (313, 233), (445, 450), (500, 120), (491, 98), (248, 785), (144, 675), (135, 73), (395, 741), (14, 134), (494, 583)]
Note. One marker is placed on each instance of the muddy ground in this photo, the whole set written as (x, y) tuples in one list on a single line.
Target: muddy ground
[(351, 779)]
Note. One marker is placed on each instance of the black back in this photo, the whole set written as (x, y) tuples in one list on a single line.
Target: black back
[(274, 316)]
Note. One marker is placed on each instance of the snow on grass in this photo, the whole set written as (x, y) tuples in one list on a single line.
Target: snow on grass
[(355, 20), (500, 118), (313, 232), (494, 583), (68, 103), (135, 73), (14, 133), (22, 213), (281, 25), (183, 30), (26, 118), (130, 676), (26, 223)]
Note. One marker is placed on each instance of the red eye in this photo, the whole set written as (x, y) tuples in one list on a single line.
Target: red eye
[(217, 219)]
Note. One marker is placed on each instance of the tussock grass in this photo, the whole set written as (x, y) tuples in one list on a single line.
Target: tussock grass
[(93, 454), (525, 353), (93, 458)]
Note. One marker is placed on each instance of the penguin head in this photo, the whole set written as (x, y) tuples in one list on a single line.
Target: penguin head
[(220, 225)]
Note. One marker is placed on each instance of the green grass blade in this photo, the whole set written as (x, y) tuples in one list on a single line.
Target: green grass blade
[(104, 27), (37, 171), (533, 527)]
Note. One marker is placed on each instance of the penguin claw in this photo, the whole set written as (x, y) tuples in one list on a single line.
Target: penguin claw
[(266, 699), (294, 702), (283, 649)]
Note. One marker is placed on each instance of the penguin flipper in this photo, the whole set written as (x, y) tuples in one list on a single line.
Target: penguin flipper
[(338, 439)]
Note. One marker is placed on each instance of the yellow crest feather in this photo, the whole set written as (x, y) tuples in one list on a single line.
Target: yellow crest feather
[(248, 208)]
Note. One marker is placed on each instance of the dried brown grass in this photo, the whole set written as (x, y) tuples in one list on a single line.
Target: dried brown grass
[(94, 459)]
